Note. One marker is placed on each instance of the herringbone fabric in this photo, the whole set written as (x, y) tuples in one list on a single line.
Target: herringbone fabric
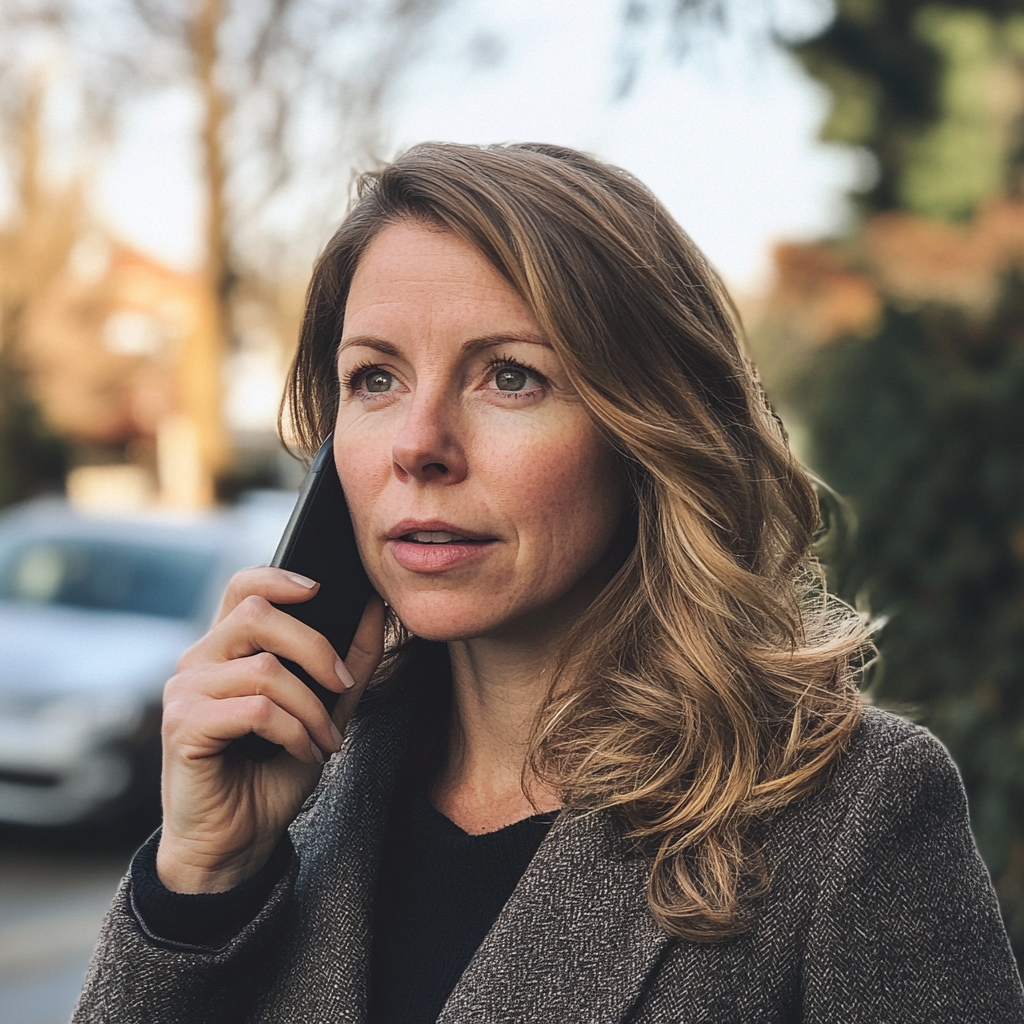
[(880, 911)]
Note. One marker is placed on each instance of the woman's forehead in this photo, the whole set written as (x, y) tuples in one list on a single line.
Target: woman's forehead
[(407, 252), (415, 279)]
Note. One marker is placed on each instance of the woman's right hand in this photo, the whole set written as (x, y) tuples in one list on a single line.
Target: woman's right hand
[(224, 814)]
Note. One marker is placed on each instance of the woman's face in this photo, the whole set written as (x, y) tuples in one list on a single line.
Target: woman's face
[(483, 497)]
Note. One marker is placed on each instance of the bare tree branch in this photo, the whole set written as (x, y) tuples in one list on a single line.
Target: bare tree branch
[(288, 91), (680, 26)]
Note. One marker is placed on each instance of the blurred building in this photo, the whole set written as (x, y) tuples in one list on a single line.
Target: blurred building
[(102, 352)]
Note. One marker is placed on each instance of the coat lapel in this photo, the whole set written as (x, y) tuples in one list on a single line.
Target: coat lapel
[(575, 942), (327, 962)]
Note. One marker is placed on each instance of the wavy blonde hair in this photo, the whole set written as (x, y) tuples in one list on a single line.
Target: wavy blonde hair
[(713, 680)]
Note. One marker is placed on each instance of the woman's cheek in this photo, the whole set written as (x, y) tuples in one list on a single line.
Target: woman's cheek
[(565, 501), (364, 474)]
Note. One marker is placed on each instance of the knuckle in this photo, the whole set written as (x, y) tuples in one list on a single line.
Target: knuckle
[(264, 665), (253, 607), (241, 582), (175, 713), (189, 656), (185, 685), (261, 709), (172, 689)]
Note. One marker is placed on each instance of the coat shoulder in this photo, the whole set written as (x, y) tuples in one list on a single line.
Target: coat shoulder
[(897, 758), (879, 908), (880, 732), (893, 776)]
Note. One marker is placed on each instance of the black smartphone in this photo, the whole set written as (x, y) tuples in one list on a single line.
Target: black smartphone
[(319, 542)]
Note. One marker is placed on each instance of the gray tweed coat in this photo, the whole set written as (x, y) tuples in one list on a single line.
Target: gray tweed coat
[(880, 912)]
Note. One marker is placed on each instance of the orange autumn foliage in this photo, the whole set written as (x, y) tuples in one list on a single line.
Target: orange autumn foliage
[(823, 292)]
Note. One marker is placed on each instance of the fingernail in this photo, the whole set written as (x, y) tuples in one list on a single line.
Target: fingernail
[(303, 581), (336, 736), (343, 674), (316, 753)]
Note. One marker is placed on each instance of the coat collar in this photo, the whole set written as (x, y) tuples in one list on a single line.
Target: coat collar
[(339, 837), (574, 943)]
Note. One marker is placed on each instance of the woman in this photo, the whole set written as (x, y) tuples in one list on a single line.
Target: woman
[(614, 765)]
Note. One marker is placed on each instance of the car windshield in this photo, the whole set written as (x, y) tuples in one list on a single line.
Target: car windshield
[(106, 576)]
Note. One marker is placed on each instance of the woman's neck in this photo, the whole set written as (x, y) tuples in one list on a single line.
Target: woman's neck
[(497, 689)]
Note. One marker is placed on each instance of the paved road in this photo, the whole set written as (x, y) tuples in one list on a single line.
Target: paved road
[(53, 894)]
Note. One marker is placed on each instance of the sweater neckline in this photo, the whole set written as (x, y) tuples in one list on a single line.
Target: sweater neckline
[(423, 806)]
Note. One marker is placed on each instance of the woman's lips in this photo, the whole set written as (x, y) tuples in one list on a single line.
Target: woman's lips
[(418, 555), (434, 545)]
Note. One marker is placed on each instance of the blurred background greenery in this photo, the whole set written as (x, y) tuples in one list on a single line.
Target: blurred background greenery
[(897, 349), (893, 348)]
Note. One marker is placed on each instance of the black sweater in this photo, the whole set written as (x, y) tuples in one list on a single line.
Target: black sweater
[(439, 891)]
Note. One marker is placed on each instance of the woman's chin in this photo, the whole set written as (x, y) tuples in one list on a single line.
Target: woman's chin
[(445, 633), (447, 625)]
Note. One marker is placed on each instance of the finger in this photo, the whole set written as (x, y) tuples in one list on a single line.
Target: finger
[(261, 675), (364, 655), (276, 585), (255, 625), (205, 728), (367, 647)]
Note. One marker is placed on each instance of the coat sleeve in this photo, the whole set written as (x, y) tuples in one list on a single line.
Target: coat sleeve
[(906, 926), (137, 977)]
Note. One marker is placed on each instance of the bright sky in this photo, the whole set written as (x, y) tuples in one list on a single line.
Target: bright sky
[(726, 138)]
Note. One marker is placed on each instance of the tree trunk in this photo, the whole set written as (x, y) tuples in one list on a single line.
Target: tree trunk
[(195, 446)]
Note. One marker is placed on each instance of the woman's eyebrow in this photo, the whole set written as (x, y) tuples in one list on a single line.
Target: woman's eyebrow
[(509, 338), (473, 345), (366, 341)]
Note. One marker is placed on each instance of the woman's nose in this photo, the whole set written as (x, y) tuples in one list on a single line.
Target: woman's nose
[(427, 448)]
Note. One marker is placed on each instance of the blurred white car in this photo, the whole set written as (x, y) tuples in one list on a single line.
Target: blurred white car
[(94, 614)]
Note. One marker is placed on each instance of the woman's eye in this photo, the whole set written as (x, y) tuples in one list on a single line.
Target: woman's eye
[(511, 379), (378, 381)]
